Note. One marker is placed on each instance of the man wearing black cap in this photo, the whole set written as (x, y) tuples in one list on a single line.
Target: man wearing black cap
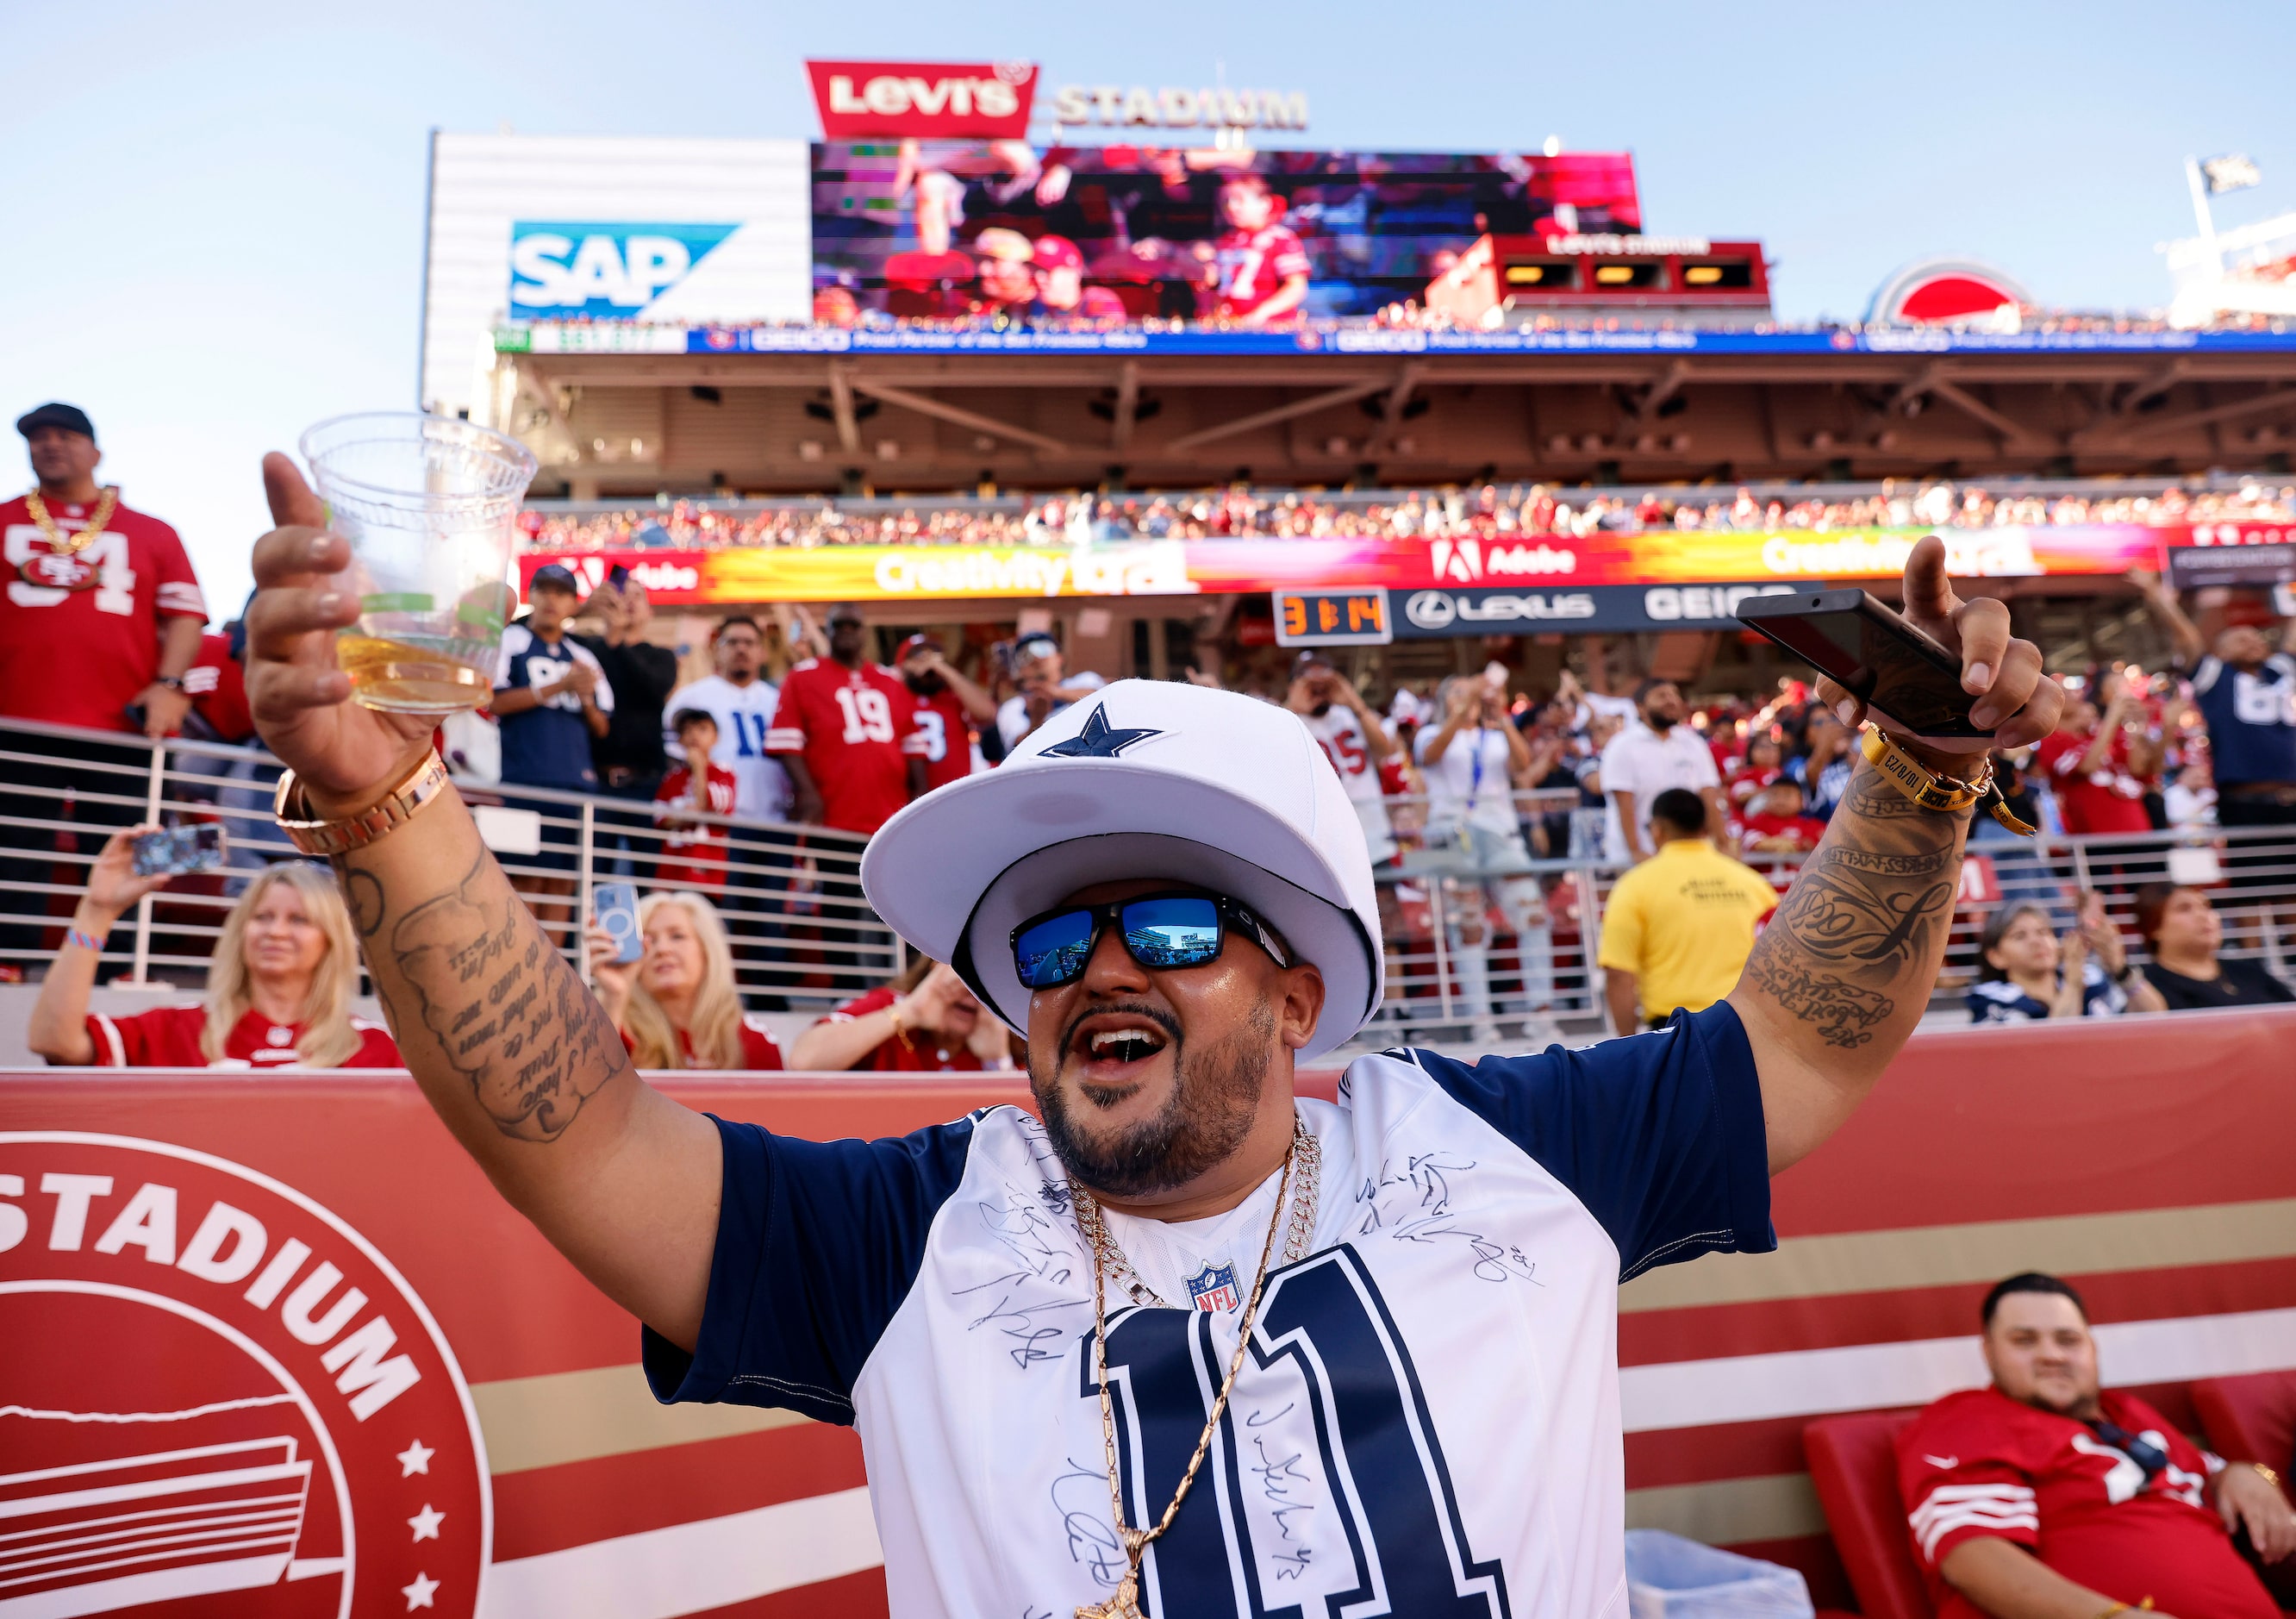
[(98, 623)]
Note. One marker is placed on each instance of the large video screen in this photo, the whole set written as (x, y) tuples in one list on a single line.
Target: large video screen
[(926, 228)]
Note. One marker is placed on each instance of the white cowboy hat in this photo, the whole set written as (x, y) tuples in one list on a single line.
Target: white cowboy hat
[(1144, 778)]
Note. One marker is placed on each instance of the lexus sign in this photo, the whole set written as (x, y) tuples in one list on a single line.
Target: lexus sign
[(1606, 608)]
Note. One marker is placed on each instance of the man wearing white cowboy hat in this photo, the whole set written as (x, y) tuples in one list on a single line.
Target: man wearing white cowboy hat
[(1189, 1345)]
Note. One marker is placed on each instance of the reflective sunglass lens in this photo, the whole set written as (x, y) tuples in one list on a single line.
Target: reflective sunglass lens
[(1174, 932), (1053, 952)]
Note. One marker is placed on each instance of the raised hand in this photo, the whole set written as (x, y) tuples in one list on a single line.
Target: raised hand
[(113, 888), (346, 755), (2003, 672), (610, 980)]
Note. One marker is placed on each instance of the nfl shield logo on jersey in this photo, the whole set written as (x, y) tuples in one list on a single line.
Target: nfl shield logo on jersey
[(1213, 1287)]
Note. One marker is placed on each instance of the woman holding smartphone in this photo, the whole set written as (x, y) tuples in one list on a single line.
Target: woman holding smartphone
[(279, 989), (676, 1006)]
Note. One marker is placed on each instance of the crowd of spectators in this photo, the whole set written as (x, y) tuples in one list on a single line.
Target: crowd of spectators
[(1478, 779), (1532, 510)]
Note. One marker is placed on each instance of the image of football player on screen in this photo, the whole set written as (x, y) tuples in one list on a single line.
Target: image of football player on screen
[(1260, 266)]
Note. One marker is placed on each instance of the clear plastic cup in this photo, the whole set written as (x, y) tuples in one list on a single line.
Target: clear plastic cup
[(430, 506)]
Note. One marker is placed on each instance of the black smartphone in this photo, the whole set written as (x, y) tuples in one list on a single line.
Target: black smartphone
[(618, 576), (1905, 676), (178, 849)]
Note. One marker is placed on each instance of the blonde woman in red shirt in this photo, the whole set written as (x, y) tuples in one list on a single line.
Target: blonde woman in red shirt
[(279, 988), (676, 1006)]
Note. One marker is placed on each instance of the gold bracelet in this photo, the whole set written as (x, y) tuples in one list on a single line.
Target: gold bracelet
[(1933, 789), (338, 834), (2267, 1474)]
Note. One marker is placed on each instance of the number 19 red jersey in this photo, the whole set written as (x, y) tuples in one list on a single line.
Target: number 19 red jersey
[(855, 730)]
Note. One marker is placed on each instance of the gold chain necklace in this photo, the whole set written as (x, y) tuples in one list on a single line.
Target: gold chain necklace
[(1302, 1156), (72, 544)]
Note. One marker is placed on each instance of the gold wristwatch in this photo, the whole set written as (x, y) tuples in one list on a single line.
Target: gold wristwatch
[(339, 835)]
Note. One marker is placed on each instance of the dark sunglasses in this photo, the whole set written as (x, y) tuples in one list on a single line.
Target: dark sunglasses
[(1160, 931)]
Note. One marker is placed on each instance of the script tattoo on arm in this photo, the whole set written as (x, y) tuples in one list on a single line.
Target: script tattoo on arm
[(1861, 931), (480, 981)]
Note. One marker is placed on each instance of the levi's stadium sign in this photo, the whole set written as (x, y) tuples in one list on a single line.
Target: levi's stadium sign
[(957, 101), (1515, 564)]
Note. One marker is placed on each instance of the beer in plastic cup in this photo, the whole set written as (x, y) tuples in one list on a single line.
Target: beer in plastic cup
[(430, 506)]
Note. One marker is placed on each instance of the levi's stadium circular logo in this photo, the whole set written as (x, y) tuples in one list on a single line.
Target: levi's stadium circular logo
[(57, 570), (217, 1395)]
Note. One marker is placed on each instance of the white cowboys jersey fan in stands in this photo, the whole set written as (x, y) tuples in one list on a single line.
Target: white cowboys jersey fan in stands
[(1427, 1421)]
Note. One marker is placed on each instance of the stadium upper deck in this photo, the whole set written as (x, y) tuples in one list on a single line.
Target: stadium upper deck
[(628, 410)]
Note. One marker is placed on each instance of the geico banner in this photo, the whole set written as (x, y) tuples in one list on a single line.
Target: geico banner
[(1608, 609), (1544, 564)]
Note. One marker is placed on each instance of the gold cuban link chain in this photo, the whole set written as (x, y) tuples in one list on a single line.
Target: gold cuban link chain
[(72, 544)]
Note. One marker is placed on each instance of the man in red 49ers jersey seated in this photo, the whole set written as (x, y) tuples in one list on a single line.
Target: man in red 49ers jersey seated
[(2044, 1496)]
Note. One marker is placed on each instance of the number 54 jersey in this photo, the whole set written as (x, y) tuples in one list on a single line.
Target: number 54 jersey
[(1426, 1420)]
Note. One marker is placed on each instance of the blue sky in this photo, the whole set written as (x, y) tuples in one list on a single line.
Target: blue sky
[(218, 211)]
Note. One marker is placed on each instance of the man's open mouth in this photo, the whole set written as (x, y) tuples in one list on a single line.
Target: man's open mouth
[(1114, 1047)]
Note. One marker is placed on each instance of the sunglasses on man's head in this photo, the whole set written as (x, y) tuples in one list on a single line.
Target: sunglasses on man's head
[(1160, 931)]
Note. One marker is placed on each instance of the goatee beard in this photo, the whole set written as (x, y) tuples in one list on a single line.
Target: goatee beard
[(1214, 1103)]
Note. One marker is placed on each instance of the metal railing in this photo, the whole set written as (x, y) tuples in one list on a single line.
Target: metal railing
[(803, 935), (790, 896)]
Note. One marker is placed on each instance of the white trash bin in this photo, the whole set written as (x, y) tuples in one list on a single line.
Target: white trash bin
[(1668, 1577)]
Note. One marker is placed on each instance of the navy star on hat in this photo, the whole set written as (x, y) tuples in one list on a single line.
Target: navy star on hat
[(1098, 739)]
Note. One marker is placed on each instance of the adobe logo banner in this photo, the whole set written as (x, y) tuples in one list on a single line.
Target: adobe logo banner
[(215, 1395), (978, 101)]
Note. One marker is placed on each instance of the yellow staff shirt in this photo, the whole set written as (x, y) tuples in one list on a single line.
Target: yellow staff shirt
[(1682, 923)]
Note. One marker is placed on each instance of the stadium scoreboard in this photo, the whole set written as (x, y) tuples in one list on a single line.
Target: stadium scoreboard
[(1333, 618)]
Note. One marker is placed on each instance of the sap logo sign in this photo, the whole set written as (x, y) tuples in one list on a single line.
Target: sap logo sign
[(560, 270)]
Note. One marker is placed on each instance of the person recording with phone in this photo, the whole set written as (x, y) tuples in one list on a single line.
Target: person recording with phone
[(676, 1005), (1472, 762), (279, 987)]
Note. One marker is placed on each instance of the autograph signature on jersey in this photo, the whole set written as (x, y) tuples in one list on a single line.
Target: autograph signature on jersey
[(1036, 1285), (1414, 1204), (1080, 1496), (1287, 1488)]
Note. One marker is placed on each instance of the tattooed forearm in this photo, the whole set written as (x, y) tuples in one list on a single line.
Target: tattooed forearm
[(1893, 864), (469, 971), (1858, 939), (1842, 1013), (1841, 916)]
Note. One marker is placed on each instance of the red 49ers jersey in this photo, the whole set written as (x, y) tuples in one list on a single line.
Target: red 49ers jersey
[(1254, 264), (855, 730), (947, 733), (1978, 1463), (168, 1037), (79, 635)]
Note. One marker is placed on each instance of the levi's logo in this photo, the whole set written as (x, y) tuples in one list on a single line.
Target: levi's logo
[(947, 98)]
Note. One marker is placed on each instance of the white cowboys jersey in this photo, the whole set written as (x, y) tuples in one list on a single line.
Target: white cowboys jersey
[(1427, 1419)]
